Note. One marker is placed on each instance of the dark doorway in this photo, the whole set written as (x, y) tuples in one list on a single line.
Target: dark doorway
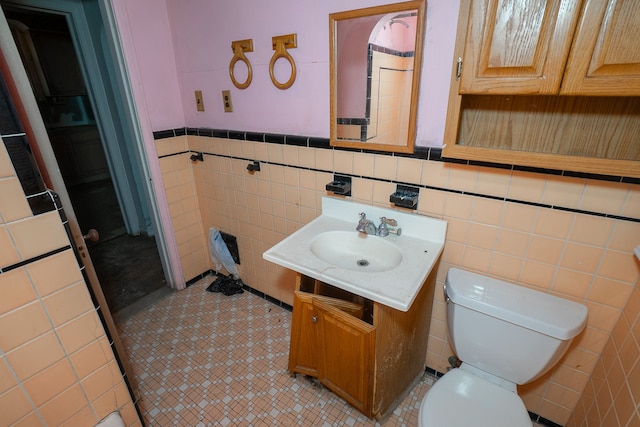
[(127, 262)]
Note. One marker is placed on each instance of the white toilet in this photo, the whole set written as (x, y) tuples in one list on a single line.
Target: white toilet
[(504, 335)]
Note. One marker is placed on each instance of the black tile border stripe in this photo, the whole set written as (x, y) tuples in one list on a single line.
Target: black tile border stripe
[(423, 153), (245, 287), (427, 187), (33, 259)]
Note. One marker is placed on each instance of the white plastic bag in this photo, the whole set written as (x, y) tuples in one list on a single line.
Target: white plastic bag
[(220, 254)]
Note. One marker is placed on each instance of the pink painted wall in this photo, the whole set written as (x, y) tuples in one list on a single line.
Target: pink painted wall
[(396, 36), (173, 48), (353, 37), (353, 34), (148, 46), (201, 34)]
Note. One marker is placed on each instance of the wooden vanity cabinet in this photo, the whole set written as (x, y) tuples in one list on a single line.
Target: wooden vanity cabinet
[(367, 353), (547, 47)]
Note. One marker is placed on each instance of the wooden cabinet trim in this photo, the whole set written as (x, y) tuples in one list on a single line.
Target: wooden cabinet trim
[(627, 168)]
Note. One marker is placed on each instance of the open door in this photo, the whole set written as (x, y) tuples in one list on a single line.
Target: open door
[(72, 79), (22, 94), (17, 83)]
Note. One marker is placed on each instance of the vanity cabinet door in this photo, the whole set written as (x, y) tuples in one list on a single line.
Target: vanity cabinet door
[(517, 46), (605, 57), (302, 348), (347, 355), (304, 345)]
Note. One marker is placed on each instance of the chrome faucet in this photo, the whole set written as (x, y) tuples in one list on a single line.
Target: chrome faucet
[(384, 229), (366, 225)]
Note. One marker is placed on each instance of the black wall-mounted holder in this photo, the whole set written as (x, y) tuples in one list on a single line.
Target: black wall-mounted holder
[(253, 167), (405, 197), (197, 157), (341, 185)]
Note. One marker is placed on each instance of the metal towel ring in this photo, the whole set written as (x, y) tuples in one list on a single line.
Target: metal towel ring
[(239, 47), (280, 45)]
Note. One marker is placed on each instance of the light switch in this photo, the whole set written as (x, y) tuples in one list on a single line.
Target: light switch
[(226, 100), (199, 101)]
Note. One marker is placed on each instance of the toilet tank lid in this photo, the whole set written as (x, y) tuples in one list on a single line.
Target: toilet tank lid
[(538, 311)]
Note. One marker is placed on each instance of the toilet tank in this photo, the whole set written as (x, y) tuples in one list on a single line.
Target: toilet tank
[(507, 330)]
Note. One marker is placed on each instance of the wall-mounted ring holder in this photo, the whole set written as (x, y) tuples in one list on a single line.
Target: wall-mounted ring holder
[(280, 45), (239, 47)]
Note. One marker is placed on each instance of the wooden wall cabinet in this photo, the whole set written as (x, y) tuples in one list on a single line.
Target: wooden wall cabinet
[(565, 47), (367, 353), (605, 56), (548, 84)]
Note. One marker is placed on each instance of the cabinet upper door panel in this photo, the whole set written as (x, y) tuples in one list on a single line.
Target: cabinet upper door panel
[(605, 58), (517, 46), (346, 357)]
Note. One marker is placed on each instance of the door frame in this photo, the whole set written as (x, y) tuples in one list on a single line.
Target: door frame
[(27, 108), (131, 183)]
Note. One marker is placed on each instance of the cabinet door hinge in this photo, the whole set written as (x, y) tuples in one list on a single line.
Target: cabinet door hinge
[(459, 69)]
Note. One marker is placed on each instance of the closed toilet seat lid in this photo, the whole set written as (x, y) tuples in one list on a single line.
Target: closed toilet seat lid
[(460, 399)]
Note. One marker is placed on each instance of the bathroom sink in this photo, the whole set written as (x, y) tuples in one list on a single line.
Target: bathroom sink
[(389, 270), (356, 251)]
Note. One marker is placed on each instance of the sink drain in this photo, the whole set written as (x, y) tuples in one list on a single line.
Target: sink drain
[(362, 263)]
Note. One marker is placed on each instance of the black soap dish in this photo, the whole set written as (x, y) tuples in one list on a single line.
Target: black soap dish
[(405, 197), (340, 185)]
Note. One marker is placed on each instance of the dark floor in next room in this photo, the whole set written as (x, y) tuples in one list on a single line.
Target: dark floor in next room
[(129, 269), (127, 266)]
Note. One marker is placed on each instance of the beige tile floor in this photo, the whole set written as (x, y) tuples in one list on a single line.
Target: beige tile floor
[(205, 359)]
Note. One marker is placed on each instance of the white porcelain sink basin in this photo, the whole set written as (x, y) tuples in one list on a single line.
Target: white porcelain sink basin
[(356, 251), (389, 270)]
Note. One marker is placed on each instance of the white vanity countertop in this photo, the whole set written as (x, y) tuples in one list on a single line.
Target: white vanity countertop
[(420, 243)]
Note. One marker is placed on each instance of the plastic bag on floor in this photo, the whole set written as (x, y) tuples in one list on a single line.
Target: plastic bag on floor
[(226, 285), (220, 254)]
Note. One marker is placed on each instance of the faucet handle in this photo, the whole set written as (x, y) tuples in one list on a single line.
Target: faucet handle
[(389, 221), (363, 216), (384, 229)]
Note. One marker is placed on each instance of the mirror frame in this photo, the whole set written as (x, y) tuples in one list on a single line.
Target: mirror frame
[(334, 18)]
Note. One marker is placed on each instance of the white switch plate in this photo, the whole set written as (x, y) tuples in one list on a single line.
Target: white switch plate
[(226, 101), (199, 101)]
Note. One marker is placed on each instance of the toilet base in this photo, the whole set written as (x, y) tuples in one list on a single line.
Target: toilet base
[(462, 399)]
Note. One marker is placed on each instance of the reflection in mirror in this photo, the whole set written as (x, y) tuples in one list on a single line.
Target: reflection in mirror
[(376, 54)]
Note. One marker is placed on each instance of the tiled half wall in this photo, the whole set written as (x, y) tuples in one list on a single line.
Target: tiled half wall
[(57, 366), (568, 234)]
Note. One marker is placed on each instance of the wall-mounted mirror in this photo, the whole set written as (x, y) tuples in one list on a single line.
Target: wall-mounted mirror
[(376, 56)]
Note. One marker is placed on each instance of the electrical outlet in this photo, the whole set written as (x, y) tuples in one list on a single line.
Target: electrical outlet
[(226, 101), (199, 101)]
